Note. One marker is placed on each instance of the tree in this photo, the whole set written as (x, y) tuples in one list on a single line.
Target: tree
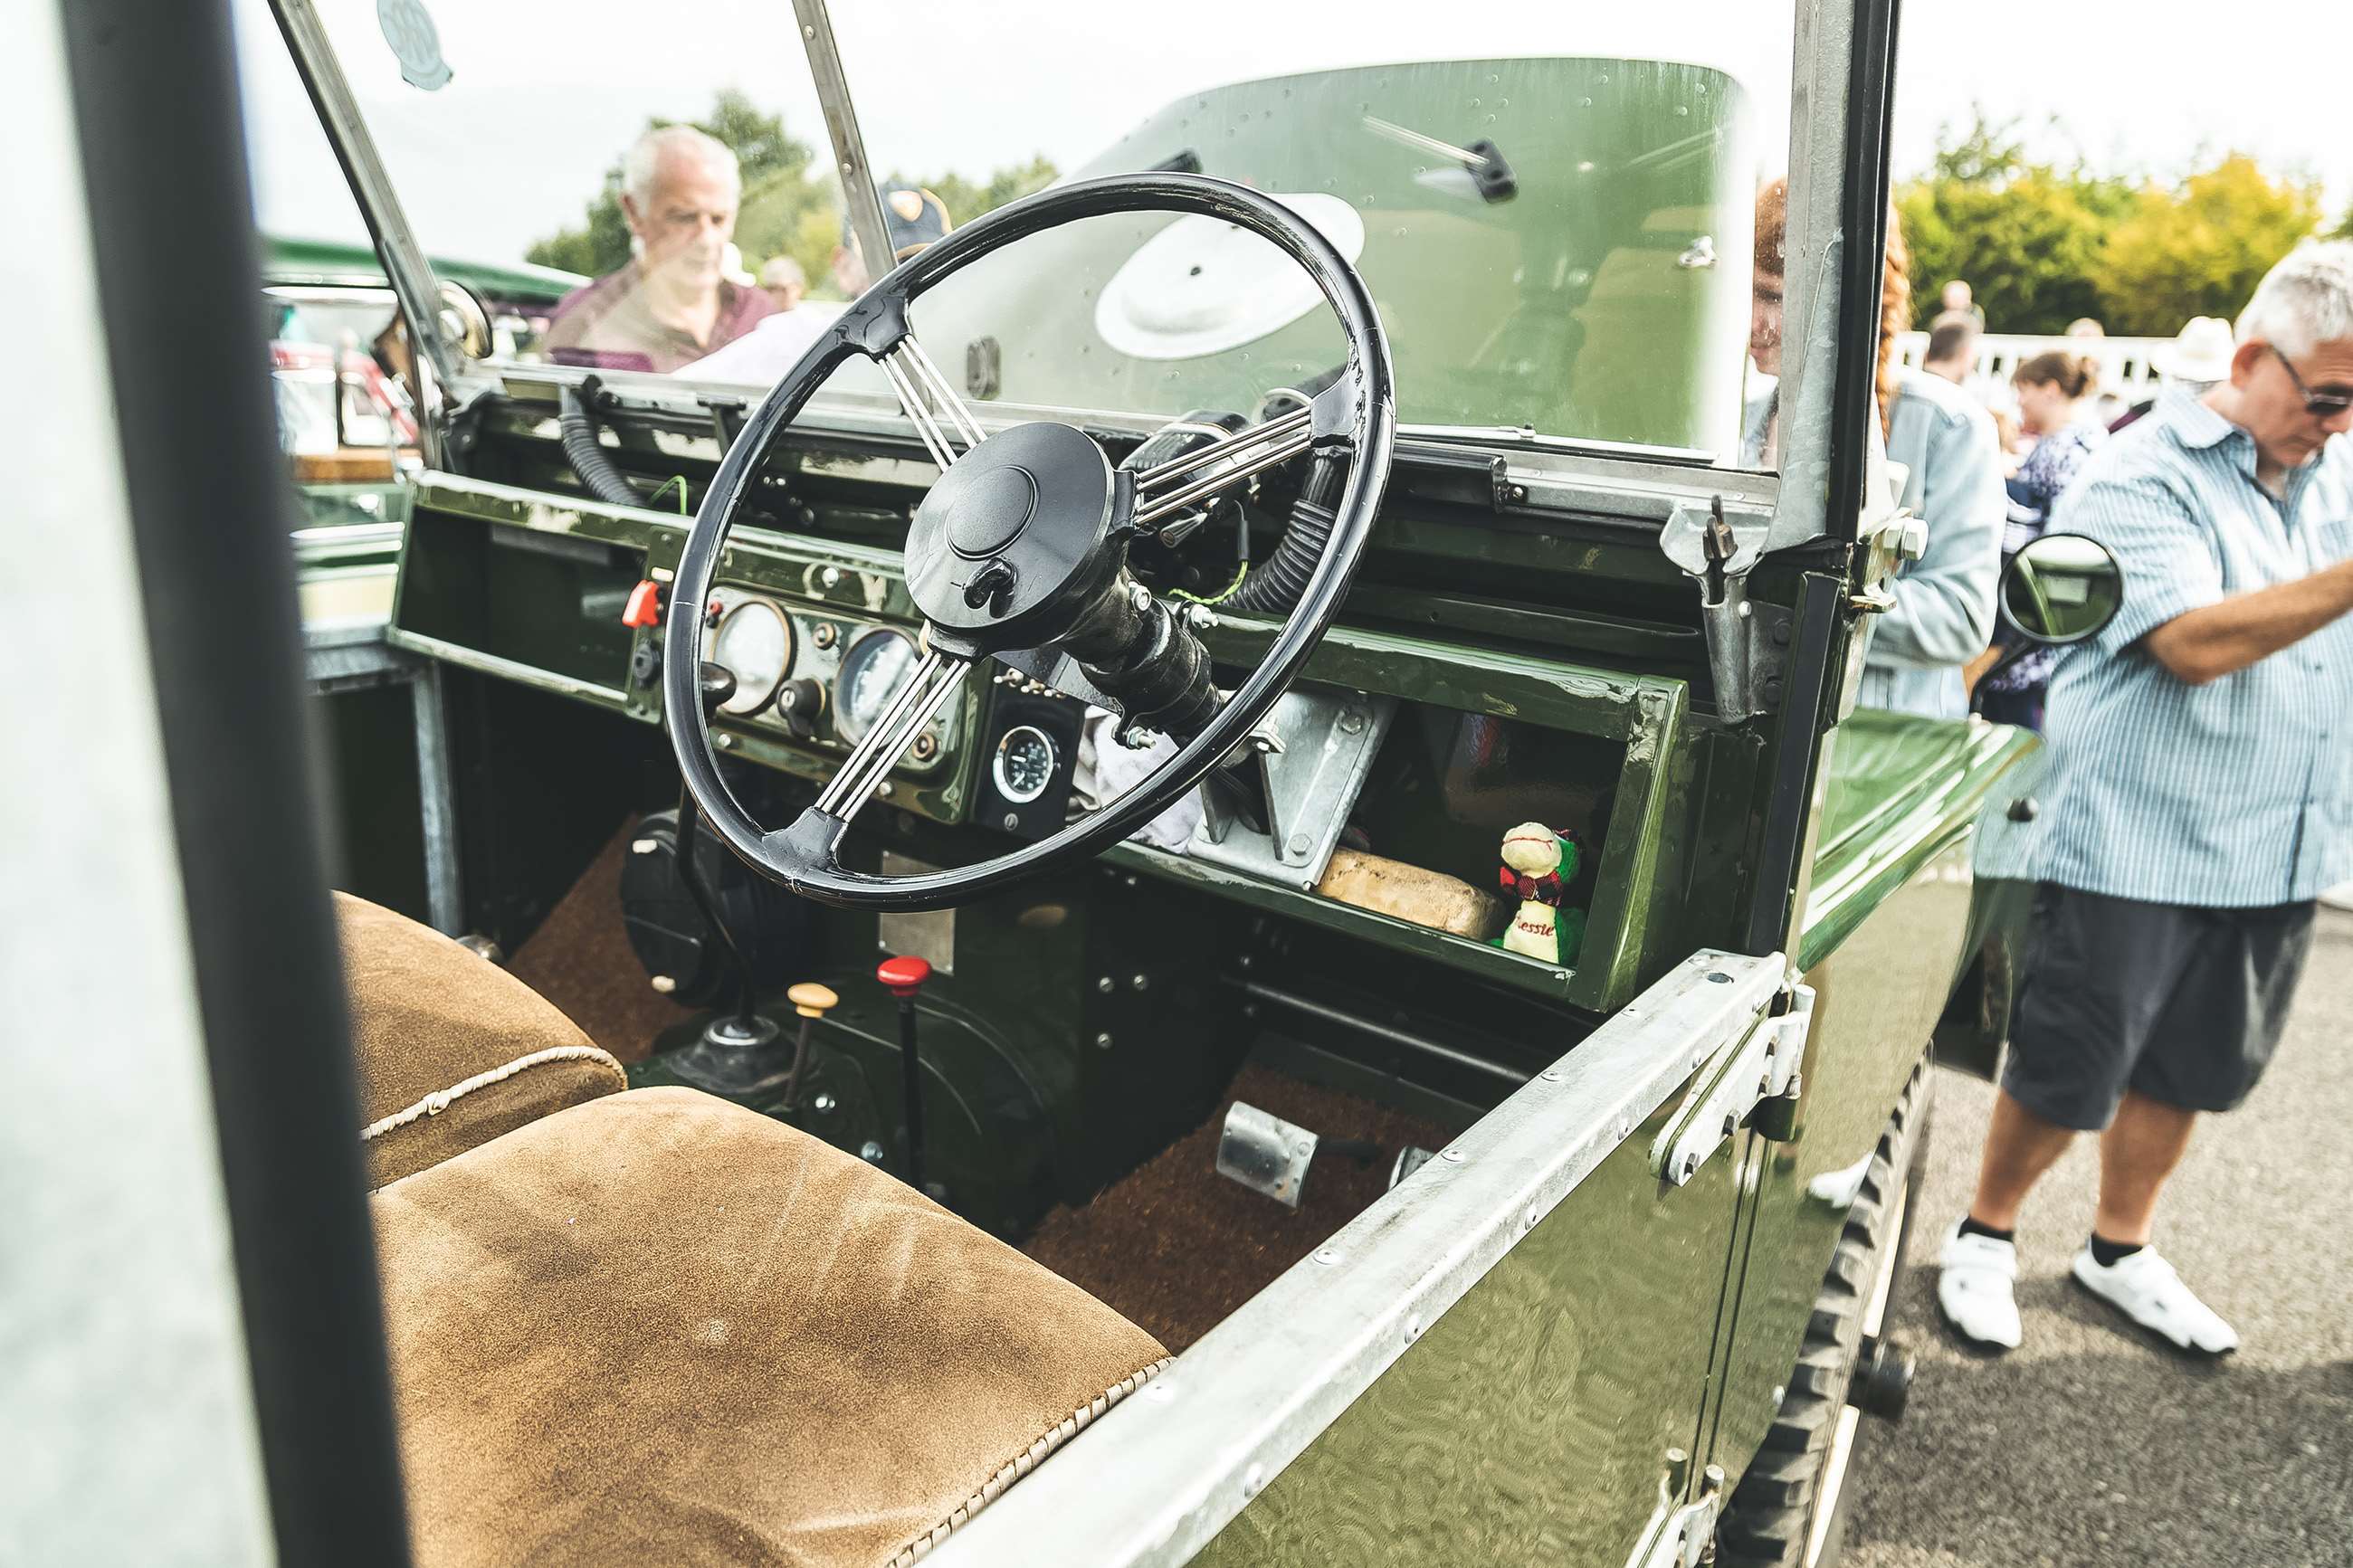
[(967, 201), (775, 171), (2199, 250), (2024, 235), (791, 203)]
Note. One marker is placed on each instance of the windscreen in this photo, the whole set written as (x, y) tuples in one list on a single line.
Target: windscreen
[(1554, 210)]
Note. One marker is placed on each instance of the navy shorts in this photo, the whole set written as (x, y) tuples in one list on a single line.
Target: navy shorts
[(2181, 1003)]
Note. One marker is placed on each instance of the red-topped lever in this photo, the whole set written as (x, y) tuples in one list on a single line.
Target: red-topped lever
[(905, 976)]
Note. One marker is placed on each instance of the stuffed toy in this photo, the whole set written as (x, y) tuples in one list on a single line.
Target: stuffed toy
[(1537, 863)]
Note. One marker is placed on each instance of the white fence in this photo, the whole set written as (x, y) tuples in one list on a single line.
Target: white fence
[(2125, 370)]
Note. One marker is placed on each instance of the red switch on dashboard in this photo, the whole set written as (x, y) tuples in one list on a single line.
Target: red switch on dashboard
[(645, 606)]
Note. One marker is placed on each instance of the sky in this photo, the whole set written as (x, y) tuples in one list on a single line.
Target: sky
[(544, 94)]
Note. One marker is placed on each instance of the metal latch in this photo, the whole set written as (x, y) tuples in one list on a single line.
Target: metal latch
[(1716, 550), (1679, 1535), (1758, 1071)]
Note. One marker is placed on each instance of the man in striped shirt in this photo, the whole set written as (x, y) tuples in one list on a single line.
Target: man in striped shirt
[(2198, 797)]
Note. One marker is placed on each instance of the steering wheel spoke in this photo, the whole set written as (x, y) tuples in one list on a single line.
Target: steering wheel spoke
[(1186, 482), (940, 415), (935, 681)]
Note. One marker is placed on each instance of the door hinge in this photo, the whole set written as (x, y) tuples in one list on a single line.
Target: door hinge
[(1681, 1534), (1756, 1082)]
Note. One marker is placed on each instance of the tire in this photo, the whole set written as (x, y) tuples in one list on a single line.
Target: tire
[(1775, 1518)]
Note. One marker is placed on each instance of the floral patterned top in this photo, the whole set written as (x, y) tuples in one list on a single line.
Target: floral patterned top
[(2033, 489)]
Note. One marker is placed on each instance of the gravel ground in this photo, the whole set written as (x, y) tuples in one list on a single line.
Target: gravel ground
[(2090, 1445)]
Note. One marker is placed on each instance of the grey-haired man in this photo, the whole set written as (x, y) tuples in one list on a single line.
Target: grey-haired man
[(2199, 797)]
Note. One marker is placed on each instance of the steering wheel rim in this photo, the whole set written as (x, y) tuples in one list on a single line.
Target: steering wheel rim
[(803, 856)]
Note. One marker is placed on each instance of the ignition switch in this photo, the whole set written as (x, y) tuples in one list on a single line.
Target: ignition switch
[(800, 704)]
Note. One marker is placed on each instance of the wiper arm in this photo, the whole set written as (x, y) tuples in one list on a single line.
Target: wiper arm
[(1491, 173)]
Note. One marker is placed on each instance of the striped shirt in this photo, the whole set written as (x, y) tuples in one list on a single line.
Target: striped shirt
[(2235, 793)]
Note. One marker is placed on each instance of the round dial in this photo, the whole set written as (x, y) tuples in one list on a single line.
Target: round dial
[(872, 671), (1024, 764), (755, 641)]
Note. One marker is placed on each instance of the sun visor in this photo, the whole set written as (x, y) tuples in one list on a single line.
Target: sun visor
[(1201, 285)]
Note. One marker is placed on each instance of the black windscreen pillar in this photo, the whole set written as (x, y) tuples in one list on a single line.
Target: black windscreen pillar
[(170, 215)]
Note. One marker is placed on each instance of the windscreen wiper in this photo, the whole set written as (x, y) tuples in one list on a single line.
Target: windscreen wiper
[(1491, 173)]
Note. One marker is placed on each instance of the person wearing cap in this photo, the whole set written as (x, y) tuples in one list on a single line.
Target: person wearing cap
[(913, 218), (2196, 359), (681, 293), (2197, 800)]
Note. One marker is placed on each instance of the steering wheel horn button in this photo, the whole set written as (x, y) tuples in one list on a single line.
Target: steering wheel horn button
[(989, 512), (1014, 538)]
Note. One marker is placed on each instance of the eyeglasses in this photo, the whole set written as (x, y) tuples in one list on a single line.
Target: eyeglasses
[(2319, 404)]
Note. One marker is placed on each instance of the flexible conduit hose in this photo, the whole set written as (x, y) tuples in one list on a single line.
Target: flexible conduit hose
[(1275, 587), (586, 454)]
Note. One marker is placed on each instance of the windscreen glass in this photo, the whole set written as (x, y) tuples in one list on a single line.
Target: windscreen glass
[(1554, 210)]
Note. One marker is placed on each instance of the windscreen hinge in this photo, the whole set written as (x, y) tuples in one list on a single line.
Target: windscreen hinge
[(1755, 1082), (1716, 547)]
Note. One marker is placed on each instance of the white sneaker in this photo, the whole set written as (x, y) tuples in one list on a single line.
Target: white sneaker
[(2144, 1287), (1974, 1289)]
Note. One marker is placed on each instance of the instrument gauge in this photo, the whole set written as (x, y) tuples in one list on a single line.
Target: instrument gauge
[(755, 641), (872, 672), (1024, 763)]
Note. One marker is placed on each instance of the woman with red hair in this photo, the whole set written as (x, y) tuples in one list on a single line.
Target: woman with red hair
[(1945, 442)]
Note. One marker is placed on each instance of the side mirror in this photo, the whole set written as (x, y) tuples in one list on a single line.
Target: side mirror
[(2062, 588)]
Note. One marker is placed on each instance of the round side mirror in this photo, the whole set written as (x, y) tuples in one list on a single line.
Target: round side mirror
[(464, 322), (2062, 588)]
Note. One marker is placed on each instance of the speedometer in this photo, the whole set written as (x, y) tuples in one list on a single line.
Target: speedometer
[(755, 643), (872, 671)]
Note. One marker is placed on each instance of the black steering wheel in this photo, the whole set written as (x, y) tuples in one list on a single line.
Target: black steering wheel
[(1021, 547)]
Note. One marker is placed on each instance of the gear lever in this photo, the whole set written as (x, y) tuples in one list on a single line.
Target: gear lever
[(905, 976), (734, 1056)]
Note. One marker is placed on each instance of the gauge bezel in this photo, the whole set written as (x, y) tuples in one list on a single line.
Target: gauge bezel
[(854, 653), (1004, 786), (750, 701)]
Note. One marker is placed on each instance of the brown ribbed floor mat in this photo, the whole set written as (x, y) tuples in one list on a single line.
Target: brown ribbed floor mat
[(580, 960), (1177, 1247)]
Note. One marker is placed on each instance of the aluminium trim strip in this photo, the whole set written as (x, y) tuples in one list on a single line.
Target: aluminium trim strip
[(1160, 1476), (510, 669)]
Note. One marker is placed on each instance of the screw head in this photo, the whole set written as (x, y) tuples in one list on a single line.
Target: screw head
[(1102, 1042), (870, 1152), (1139, 982), (926, 746), (830, 576), (823, 1104), (826, 635), (1106, 984), (1352, 722)]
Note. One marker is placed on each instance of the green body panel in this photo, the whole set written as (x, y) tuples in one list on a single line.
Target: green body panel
[(1578, 305), (332, 264), (1529, 1424)]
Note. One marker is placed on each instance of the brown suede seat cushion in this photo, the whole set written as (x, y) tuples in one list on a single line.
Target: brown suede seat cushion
[(661, 1329), (429, 1016)]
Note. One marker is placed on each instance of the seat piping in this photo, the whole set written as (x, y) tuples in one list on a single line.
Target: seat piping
[(440, 1100)]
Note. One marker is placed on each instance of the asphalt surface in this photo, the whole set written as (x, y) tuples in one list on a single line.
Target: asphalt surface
[(2091, 1445)]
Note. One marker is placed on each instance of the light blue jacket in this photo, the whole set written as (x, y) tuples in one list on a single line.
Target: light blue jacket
[(1943, 614)]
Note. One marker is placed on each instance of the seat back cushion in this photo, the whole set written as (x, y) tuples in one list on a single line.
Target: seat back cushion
[(450, 1050), (658, 1328)]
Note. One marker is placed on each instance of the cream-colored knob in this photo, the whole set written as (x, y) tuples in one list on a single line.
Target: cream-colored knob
[(811, 1000)]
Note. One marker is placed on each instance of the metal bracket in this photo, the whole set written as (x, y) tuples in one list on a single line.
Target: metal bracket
[(1313, 751), (1761, 1069), (1717, 549), (1681, 1534)]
